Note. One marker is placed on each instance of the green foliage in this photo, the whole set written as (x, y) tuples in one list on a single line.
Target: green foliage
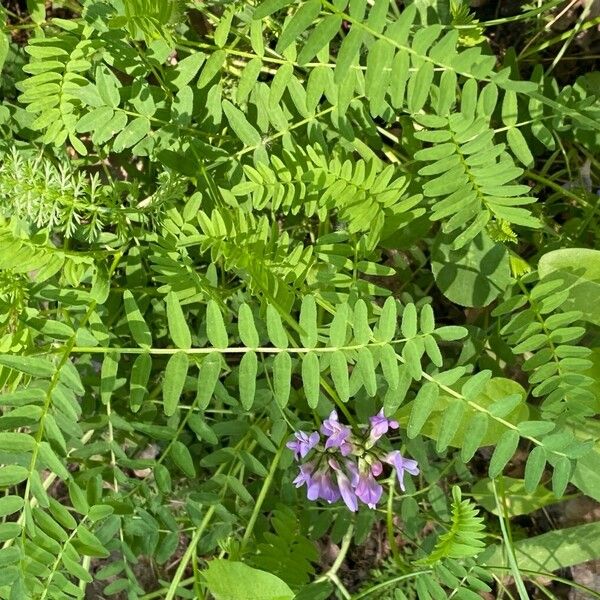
[(220, 221)]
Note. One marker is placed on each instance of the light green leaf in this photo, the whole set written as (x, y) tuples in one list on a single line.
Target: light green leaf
[(534, 468), (136, 130), (421, 408), (302, 19), (174, 381), (308, 322), (282, 373), (229, 580), (248, 135), (409, 321), (247, 379), (210, 369), (503, 452), (246, 327), (135, 321), (30, 365), (339, 373), (215, 326), (108, 376), (181, 456), (321, 35), (311, 378), (178, 328)]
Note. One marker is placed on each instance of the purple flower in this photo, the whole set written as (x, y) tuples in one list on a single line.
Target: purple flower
[(337, 434), (304, 476), (368, 490), (348, 495), (376, 468), (401, 465), (303, 443), (322, 486), (380, 425)]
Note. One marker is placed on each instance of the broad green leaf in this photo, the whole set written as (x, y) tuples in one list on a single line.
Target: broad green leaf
[(229, 580), (282, 373), (172, 388), (10, 505), (473, 275), (135, 131), (16, 442), (210, 369), (215, 326), (557, 549), (503, 452), (579, 271), (518, 500), (469, 430), (421, 408), (135, 321), (246, 327), (247, 379), (178, 328), (138, 385)]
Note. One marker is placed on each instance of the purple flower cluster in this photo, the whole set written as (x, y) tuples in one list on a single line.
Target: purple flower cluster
[(346, 466)]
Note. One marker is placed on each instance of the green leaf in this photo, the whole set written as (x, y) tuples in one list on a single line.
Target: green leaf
[(473, 436), (536, 461), (108, 86), (135, 321), (210, 370), (409, 321), (386, 326), (178, 328), (450, 424), (30, 365), (268, 7), (474, 275), (138, 385), (240, 125), (181, 456), (247, 379), (275, 329), (174, 381), (519, 146), (389, 364), (518, 500), (108, 376), (16, 442), (215, 326), (308, 322), (246, 327), (302, 19), (579, 271), (229, 580), (339, 374), (422, 406), (503, 452), (136, 130), (311, 378), (561, 475), (12, 475), (339, 326), (366, 368), (419, 86), (557, 549), (321, 35), (282, 373)]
